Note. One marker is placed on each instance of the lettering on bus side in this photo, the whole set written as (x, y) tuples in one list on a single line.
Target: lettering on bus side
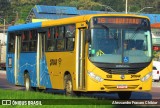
[(53, 62), (135, 76), (109, 76)]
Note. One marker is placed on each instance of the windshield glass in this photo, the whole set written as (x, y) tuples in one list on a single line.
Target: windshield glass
[(120, 44)]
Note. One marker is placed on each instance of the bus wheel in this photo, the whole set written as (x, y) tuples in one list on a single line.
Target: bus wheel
[(68, 85), (124, 95), (27, 82)]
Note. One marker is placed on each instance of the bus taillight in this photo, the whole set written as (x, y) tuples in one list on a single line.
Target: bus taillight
[(157, 72), (155, 48)]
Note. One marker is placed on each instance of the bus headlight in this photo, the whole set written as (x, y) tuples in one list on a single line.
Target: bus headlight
[(95, 77), (146, 77)]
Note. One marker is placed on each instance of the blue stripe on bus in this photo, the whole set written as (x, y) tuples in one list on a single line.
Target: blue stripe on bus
[(29, 65), (25, 26)]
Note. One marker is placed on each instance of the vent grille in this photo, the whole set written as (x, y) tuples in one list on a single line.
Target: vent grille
[(120, 71)]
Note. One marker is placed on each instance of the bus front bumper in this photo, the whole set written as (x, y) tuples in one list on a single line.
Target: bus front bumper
[(123, 85)]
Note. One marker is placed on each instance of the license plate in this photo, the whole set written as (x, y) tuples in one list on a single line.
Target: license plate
[(122, 86)]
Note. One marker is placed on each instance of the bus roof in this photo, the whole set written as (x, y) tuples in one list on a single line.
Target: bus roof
[(82, 18), (25, 26), (70, 20)]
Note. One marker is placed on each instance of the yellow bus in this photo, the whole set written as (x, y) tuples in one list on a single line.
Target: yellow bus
[(90, 53)]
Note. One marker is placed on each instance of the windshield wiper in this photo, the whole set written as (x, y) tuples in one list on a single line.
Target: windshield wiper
[(104, 26)]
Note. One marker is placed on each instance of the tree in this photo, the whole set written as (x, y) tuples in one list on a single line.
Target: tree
[(5, 7), (5, 11), (82, 4), (9, 8)]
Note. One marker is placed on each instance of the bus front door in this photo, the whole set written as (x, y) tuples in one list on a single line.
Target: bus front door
[(81, 60)]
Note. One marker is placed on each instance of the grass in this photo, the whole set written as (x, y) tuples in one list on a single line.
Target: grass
[(14, 94), (22, 95)]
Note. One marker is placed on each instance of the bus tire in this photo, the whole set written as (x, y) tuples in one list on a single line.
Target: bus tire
[(27, 82), (124, 95), (68, 85)]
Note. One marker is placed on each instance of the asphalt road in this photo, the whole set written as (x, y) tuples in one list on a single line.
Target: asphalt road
[(154, 94), (4, 83)]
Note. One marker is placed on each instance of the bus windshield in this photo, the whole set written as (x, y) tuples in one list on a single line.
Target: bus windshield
[(123, 42)]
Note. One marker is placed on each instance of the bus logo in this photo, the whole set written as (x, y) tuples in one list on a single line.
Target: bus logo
[(55, 61), (122, 76), (125, 59), (6, 102)]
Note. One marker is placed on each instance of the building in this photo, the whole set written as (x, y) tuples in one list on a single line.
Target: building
[(155, 27), (55, 12)]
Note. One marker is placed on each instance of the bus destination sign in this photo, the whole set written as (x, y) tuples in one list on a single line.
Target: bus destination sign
[(111, 20)]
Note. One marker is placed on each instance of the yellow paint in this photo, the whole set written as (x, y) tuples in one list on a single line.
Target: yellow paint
[(57, 71), (92, 85)]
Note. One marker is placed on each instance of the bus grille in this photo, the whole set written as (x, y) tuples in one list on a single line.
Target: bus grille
[(113, 87), (120, 71)]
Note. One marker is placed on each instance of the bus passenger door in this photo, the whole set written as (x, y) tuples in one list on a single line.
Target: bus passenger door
[(39, 58), (42, 78), (80, 60), (16, 58)]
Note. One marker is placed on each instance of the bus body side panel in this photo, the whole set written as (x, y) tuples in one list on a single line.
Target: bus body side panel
[(58, 63), (27, 65), (10, 68), (44, 73)]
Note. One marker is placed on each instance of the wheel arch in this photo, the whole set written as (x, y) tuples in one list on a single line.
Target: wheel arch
[(67, 73)]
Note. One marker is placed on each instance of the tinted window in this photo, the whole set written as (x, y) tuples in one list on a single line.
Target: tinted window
[(29, 41), (61, 38), (11, 42)]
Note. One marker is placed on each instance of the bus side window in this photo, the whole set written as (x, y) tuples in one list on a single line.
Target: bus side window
[(11, 42), (25, 46), (50, 39), (70, 30), (59, 37), (70, 43), (25, 41), (70, 35), (33, 40), (60, 44), (59, 32)]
